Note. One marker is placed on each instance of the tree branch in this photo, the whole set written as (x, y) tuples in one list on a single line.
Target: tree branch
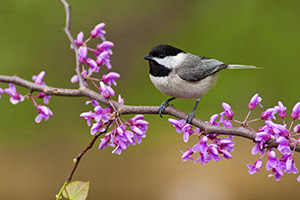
[(68, 33), (127, 109)]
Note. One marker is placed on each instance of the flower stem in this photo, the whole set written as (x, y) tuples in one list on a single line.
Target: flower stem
[(291, 125), (247, 116), (254, 120)]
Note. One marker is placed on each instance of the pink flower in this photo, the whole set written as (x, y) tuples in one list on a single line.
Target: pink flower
[(297, 128), (187, 131), (281, 108), (228, 111), (82, 54), (120, 99), (138, 125), (93, 66), (93, 102), (214, 118), (106, 91), (105, 46), (256, 167), (79, 40), (15, 96), (103, 59), (178, 124), (97, 127), (109, 78), (45, 97), (187, 154), (100, 114), (269, 113), (290, 165), (97, 31), (88, 116), (254, 101), (104, 141), (296, 111), (44, 113), (1, 91), (39, 78)]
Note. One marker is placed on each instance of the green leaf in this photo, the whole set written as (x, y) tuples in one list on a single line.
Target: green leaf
[(76, 190)]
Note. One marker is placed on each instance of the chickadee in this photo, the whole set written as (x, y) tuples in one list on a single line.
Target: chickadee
[(183, 75)]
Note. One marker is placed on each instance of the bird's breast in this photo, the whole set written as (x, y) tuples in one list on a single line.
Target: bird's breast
[(174, 86)]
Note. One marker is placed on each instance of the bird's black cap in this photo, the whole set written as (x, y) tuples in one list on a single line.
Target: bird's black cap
[(163, 50)]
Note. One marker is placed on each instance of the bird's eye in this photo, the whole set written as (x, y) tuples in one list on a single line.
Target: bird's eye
[(161, 56)]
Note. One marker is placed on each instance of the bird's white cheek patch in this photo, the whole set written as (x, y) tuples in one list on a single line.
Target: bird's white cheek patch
[(179, 59), (171, 61)]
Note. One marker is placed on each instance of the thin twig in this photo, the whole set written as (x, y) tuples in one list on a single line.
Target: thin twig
[(79, 156), (68, 33)]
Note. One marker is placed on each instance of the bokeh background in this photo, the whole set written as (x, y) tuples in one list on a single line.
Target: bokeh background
[(36, 158)]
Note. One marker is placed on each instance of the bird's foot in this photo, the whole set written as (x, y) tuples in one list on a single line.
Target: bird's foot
[(192, 114), (190, 117), (164, 105)]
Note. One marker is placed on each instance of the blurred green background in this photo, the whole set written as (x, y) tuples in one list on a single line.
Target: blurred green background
[(36, 158)]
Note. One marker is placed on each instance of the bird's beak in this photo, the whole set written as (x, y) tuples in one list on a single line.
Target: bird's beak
[(148, 58)]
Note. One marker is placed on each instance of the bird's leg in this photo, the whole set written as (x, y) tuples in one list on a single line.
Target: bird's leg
[(164, 105), (192, 114)]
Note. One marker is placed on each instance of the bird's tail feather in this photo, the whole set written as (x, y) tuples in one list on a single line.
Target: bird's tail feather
[(242, 67)]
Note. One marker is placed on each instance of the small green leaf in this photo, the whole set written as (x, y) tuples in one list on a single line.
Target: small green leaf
[(76, 190)]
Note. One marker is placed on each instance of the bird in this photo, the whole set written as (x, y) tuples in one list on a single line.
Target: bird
[(183, 75)]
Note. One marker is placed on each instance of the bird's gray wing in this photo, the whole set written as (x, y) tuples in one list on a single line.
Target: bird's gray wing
[(198, 68)]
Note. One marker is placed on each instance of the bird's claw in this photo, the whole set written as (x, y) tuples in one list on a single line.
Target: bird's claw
[(162, 107), (190, 117)]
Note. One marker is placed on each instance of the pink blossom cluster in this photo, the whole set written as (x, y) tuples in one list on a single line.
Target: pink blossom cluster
[(15, 97), (122, 134), (90, 66), (212, 147), (285, 136)]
